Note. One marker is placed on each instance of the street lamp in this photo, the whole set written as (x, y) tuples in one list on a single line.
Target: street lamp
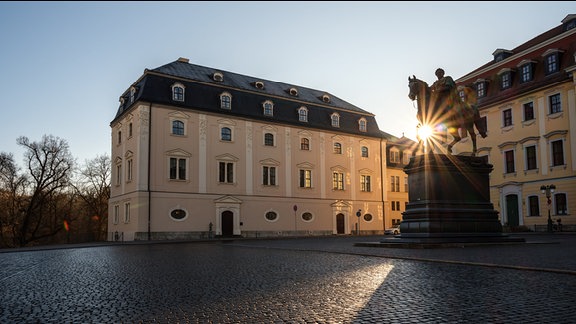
[(548, 191), (358, 214)]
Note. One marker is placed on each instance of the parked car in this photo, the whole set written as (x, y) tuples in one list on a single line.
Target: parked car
[(394, 230)]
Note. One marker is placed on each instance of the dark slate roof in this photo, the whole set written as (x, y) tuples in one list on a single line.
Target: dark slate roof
[(190, 71), (202, 92)]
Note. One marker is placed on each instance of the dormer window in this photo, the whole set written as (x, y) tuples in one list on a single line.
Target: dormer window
[(268, 108), (259, 85), (326, 98), (226, 101), (177, 92), (132, 94), (218, 77), (569, 22), (501, 54), (362, 124), (526, 71), (481, 88), (293, 92), (303, 114), (551, 61), (505, 79), (335, 118)]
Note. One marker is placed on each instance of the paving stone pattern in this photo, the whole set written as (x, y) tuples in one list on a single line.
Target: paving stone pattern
[(307, 280)]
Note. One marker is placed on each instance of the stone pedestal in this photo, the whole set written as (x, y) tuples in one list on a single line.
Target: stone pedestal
[(449, 202)]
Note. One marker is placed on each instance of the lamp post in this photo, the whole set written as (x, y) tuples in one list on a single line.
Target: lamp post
[(548, 190), (358, 214)]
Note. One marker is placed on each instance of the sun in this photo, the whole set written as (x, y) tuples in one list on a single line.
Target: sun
[(424, 132)]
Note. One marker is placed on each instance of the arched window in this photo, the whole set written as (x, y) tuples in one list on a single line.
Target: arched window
[(364, 151), (268, 108), (269, 139), (178, 92), (303, 114), (226, 101), (177, 127), (337, 148), (305, 144), (362, 124), (226, 134), (335, 120)]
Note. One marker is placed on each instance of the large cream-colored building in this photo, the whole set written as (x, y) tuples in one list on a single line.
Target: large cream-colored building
[(200, 152), (527, 99)]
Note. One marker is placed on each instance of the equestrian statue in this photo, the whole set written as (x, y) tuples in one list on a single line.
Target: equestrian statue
[(441, 106)]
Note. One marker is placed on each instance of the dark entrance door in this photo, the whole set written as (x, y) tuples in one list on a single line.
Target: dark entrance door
[(512, 210), (340, 224), (227, 223)]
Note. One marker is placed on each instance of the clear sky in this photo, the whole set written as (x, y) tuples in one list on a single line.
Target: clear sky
[(63, 65)]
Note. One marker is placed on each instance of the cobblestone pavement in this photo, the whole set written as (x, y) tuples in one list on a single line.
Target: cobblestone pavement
[(303, 280)]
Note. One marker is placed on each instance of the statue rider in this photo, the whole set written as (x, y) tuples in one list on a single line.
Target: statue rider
[(442, 91)]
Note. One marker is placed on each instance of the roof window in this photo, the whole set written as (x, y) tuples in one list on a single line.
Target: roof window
[(217, 76)]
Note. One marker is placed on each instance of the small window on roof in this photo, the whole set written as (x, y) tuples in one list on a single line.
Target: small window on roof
[(293, 92), (259, 85), (217, 76), (326, 98)]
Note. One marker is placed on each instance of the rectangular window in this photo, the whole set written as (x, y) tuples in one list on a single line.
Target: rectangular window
[(129, 173), (118, 174), (552, 63), (405, 184), (557, 153), (305, 179), (394, 156), (526, 73), (555, 104), (177, 169), (365, 183), (226, 172), (507, 117), (395, 183), (337, 181), (560, 203), (509, 161), (531, 157), (528, 111), (480, 89), (533, 206), (116, 214), (506, 80), (396, 205), (269, 176), (127, 213)]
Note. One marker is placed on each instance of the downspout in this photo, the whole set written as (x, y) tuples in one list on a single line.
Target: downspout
[(382, 159), (149, 159)]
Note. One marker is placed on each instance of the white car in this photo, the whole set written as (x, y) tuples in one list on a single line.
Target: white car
[(394, 230)]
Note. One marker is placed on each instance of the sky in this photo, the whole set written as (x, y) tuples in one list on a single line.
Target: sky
[(64, 65)]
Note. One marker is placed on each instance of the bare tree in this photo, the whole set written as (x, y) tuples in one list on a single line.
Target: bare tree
[(12, 199), (93, 187), (49, 167)]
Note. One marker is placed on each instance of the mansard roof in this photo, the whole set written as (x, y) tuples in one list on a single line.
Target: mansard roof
[(204, 85)]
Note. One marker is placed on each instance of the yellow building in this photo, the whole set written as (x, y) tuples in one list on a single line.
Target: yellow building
[(200, 152), (526, 97)]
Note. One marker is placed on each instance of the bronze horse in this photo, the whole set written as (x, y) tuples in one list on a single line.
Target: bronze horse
[(460, 115)]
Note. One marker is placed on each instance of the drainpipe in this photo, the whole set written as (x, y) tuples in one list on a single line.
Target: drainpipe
[(149, 168), (382, 159)]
